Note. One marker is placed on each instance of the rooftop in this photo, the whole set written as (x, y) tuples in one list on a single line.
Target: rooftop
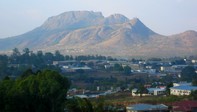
[(185, 87), (184, 105), (143, 107)]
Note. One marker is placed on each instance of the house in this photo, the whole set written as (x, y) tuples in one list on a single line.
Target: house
[(147, 108), (75, 68), (182, 90), (62, 63), (157, 91), (151, 91), (184, 106)]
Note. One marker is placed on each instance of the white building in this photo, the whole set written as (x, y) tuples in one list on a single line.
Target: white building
[(157, 91), (182, 90), (182, 84)]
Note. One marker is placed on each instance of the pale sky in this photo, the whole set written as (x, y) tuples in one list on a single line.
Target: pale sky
[(165, 17)]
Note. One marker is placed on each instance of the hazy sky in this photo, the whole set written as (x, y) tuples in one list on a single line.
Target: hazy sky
[(162, 16)]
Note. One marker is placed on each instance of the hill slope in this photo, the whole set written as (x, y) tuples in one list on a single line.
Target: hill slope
[(85, 32)]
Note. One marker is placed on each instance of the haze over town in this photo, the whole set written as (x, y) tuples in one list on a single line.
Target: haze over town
[(165, 17)]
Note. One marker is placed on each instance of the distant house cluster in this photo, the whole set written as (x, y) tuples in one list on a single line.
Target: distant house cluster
[(178, 89)]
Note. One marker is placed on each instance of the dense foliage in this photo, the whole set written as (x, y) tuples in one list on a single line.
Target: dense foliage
[(194, 95), (44, 91), (189, 74)]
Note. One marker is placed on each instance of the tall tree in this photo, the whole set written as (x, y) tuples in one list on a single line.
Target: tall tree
[(118, 67), (26, 51), (15, 56), (15, 52), (3, 62), (48, 57), (26, 56), (127, 70), (168, 88), (58, 56)]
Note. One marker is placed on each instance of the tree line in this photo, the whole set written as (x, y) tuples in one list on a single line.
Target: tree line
[(19, 61), (29, 57)]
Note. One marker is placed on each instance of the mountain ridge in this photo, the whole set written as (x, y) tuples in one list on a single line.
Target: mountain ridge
[(88, 32)]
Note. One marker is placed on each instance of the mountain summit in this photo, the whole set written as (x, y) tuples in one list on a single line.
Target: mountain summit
[(73, 20), (88, 32)]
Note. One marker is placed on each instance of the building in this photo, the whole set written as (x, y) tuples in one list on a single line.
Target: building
[(184, 106), (147, 108), (182, 90), (134, 93), (74, 69), (182, 84), (62, 63), (151, 91), (157, 91)]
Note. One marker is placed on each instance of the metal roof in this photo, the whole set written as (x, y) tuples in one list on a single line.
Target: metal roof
[(185, 87), (143, 107)]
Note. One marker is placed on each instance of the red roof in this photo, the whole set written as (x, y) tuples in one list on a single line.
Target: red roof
[(184, 105)]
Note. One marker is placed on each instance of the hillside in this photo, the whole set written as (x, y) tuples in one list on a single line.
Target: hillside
[(86, 32)]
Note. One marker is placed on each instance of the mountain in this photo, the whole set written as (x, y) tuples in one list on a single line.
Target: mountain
[(87, 32)]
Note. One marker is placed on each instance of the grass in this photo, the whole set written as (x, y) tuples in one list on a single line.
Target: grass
[(125, 98)]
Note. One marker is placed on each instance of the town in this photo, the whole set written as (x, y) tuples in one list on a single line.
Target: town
[(125, 82)]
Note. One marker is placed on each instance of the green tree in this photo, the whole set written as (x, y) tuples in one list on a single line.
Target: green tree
[(48, 58), (43, 91), (194, 82), (194, 95), (3, 62), (188, 74), (118, 67), (26, 51), (99, 105), (127, 70), (142, 90), (168, 88), (77, 104), (58, 56), (25, 58), (15, 52), (5, 86), (15, 56)]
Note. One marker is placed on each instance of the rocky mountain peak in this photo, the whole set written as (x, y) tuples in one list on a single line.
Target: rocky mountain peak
[(73, 20), (115, 19), (140, 28)]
